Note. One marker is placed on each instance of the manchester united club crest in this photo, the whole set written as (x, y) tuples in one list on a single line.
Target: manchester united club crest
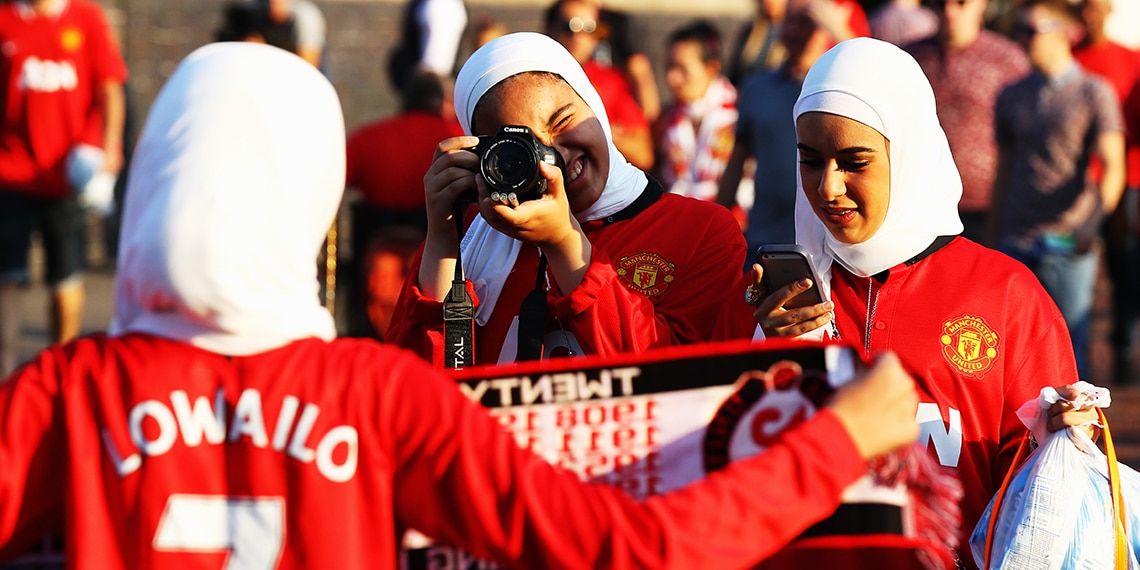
[(969, 344), (646, 272), (71, 39)]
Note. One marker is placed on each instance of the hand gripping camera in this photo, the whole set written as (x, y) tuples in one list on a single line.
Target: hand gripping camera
[(509, 161)]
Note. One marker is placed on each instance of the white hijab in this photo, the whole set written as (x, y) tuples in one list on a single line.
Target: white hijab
[(236, 179), (488, 256), (881, 86)]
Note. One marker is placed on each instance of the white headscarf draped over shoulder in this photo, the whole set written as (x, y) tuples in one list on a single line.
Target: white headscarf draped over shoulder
[(237, 176), (881, 86), (488, 255)]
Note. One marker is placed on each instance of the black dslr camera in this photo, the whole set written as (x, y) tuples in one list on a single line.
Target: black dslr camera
[(509, 161)]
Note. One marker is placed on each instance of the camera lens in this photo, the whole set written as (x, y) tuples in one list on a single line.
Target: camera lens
[(509, 164)]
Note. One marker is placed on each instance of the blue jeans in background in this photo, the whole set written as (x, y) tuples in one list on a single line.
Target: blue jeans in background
[(1069, 278)]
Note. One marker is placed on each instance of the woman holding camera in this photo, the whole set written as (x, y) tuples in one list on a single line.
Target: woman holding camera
[(877, 209), (617, 264)]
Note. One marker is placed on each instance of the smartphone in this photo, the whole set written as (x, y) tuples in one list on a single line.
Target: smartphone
[(785, 264)]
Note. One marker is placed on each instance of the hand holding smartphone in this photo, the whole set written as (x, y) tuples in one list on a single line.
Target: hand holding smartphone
[(785, 264)]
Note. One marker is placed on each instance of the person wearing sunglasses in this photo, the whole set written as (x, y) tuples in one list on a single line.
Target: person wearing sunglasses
[(578, 26), (1047, 212)]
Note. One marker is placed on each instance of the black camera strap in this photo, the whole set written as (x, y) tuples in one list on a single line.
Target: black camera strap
[(532, 317), (458, 310)]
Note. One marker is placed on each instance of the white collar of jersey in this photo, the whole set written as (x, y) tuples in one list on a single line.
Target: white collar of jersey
[(236, 178)]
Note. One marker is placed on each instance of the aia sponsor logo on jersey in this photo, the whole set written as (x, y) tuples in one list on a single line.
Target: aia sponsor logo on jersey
[(48, 76), (969, 344), (646, 272)]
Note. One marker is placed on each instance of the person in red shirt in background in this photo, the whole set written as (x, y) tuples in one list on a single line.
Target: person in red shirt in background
[(63, 97), (1120, 66), (387, 160), (1129, 310), (221, 420), (576, 25)]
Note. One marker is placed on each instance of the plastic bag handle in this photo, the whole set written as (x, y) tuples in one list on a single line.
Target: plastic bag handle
[(1113, 487), (1018, 459), (1117, 495)]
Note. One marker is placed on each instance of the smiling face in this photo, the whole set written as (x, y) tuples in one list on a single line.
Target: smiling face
[(558, 117), (846, 174)]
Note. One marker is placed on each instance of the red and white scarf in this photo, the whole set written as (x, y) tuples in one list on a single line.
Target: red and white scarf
[(697, 141)]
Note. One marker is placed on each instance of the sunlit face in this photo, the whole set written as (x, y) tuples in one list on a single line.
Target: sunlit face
[(558, 117), (804, 40), (961, 19), (579, 30), (846, 173), (1041, 33), (686, 73)]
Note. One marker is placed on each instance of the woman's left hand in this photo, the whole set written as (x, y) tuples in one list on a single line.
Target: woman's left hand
[(544, 221), (548, 223), (1072, 413)]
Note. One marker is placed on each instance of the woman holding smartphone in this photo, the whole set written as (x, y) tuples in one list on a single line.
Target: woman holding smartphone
[(877, 210)]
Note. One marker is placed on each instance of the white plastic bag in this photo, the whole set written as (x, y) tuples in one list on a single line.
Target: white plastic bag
[(1057, 512), (94, 187)]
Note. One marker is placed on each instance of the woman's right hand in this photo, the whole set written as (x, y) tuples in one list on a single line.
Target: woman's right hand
[(775, 320), (452, 173)]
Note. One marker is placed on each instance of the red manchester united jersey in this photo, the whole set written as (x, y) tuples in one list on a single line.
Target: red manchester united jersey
[(53, 66), (981, 337)]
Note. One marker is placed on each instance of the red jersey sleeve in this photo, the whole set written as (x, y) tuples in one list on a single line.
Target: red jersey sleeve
[(608, 317), (32, 444)]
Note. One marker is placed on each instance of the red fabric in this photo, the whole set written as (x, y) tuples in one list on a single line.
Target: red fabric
[(426, 457), (692, 250), (53, 67), (932, 314), (1120, 66), (848, 552), (857, 20), (387, 159), (621, 107)]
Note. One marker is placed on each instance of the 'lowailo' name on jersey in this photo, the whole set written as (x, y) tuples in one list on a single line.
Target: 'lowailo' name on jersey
[(155, 427)]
